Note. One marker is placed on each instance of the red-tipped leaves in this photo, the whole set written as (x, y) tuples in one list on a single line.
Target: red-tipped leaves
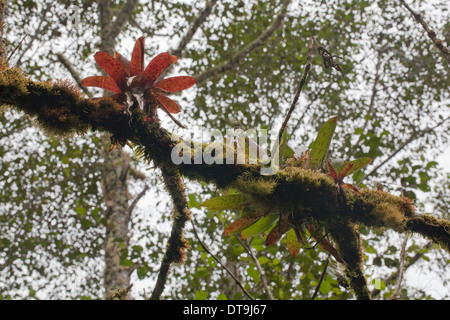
[(137, 58), (169, 104), (156, 67), (101, 82), (112, 67), (123, 61), (175, 84)]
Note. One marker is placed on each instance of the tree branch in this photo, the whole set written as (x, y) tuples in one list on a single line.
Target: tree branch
[(299, 90), (249, 250), (311, 194), (409, 263), (193, 29), (121, 19), (177, 245), (136, 200), (415, 135), (321, 277), (401, 268), (431, 34), (238, 56), (205, 247)]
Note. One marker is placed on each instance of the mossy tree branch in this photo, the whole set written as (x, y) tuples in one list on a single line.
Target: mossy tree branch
[(60, 108), (176, 245)]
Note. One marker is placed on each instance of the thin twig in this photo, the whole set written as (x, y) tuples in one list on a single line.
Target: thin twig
[(193, 29), (205, 247), (401, 268), (408, 264), (299, 89), (413, 137), (17, 47), (136, 200), (322, 276), (258, 266), (238, 56), (35, 36), (431, 34)]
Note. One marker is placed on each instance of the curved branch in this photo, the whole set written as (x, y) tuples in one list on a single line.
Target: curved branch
[(121, 19), (193, 29), (238, 56), (177, 245), (431, 34), (205, 247)]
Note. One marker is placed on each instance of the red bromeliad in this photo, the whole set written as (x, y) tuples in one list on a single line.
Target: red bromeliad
[(338, 177), (134, 85)]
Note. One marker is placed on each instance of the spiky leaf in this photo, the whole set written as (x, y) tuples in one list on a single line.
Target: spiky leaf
[(357, 165), (293, 243), (226, 202), (242, 223), (259, 226), (321, 144)]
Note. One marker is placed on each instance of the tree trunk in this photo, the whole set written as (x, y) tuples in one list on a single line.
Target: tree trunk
[(115, 191), (116, 165)]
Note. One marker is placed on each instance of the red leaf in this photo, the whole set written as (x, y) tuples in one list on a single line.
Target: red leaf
[(273, 236), (332, 172), (156, 67), (137, 58), (350, 186), (325, 244), (276, 233), (169, 104), (242, 223), (344, 171), (123, 61), (112, 67), (103, 82), (175, 84)]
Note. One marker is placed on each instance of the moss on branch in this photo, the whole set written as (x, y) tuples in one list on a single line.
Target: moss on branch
[(61, 109)]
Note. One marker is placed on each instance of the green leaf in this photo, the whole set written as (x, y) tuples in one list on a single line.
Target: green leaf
[(193, 203), (222, 296), (262, 260), (325, 287), (292, 242), (226, 202), (80, 211), (242, 223), (126, 263), (259, 226), (320, 146), (379, 284), (285, 151), (201, 295), (357, 165), (254, 274)]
